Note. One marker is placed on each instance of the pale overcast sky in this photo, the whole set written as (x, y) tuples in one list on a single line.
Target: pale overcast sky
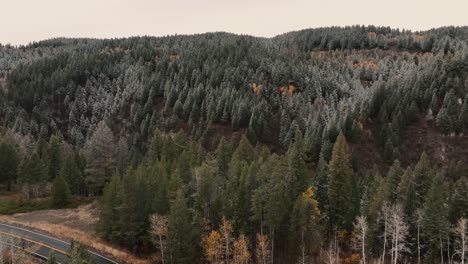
[(23, 21)]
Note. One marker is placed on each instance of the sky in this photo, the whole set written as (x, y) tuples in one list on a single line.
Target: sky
[(24, 21)]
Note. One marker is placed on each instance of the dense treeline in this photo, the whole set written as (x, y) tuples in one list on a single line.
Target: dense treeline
[(139, 84), (145, 123)]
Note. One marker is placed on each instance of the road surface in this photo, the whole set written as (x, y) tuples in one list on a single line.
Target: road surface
[(42, 245)]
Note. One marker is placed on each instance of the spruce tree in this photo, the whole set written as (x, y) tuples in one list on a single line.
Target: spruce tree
[(183, 233), (459, 200), (78, 254), (107, 226), (71, 173), (9, 162), (60, 192), (55, 156), (340, 186), (100, 152), (435, 223)]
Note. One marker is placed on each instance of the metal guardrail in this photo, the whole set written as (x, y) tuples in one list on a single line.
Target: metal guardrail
[(22, 247), (27, 251)]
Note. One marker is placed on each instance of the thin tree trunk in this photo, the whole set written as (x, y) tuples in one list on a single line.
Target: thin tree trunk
[(419, 247), (441, 249), (448, 249), (385, 239), (363, 247), (272, 246), (162, 250), (463, 248), (396, 245), (303, 247)]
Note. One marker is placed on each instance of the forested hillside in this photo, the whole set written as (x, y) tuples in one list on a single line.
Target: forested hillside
[(330, 145)]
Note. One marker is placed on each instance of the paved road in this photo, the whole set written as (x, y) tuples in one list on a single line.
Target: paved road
[(43, 244)]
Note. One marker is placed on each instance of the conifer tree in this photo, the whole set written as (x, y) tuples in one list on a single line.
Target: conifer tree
[(60, 192), (55, 156), (100, 154), (71, 174), (183, 233), (108, 227), (304, 215), (340, 186), (435, 222), (9, 162), (78, 254)]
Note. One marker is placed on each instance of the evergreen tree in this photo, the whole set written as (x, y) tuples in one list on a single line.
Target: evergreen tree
[(108, 227), (100, 155), (78, 254), (183, 232), (435, 223), (60, 192), (32, 170), (9, 162), (71, 173), (340, 186), (52, 259), (394, 175), (459, 200), (297, 174), (423, 174), (304, 215), (55, 156)]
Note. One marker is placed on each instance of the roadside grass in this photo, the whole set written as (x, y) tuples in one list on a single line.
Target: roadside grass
[(14, 204), (93, 242)]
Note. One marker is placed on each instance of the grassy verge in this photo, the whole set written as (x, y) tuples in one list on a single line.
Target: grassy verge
[(10, 206)]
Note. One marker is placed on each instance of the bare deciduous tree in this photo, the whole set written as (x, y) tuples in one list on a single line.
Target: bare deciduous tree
[(360, 229), (385, 215), (398, 232), (461, 246), (159, 229)]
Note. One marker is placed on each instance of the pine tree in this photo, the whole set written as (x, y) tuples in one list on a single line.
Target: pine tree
[(463, 118), (394, 175), (183, 233), (71, 174), (423, 174), (55, 156), (78, 254), (304, 215), (107, 226), (320, 183), (100, 154), (435, 222), (340, 186), (297, 174), (222, 158), (459, 200), (9, 162), (52, 259), (60, 192), (155, 147)]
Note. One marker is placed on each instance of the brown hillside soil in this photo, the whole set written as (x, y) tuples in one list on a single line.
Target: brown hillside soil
[(416, 138), (77, 224), (367, 150), (421, 136)]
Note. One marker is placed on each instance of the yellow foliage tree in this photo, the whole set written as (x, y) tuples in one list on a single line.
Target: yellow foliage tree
[(241, 250), (212, 244), (226, 232), (263, 249)]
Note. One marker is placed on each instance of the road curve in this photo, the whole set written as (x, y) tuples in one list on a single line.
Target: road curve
[(44, 244)]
